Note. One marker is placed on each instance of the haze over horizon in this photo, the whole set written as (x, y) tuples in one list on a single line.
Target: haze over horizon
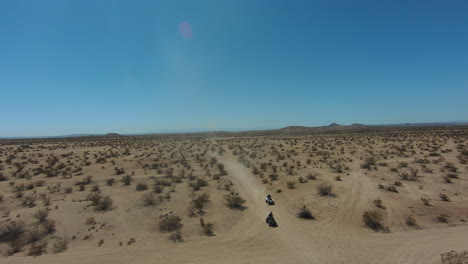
[(118, 66)]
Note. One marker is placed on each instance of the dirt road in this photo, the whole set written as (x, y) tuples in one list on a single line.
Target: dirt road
[(340, 239)]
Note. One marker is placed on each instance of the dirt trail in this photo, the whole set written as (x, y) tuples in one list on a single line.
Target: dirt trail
[(294, 241)]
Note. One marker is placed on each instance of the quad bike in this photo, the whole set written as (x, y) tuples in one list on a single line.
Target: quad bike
[(269, 200), (270, 220)]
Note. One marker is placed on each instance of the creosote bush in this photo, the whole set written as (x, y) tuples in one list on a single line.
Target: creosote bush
[(235, 201), (325, 188), (305, 213), (372, 219), (454, 257), (170, 224)]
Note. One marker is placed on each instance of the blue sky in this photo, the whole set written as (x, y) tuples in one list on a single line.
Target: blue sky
[(124, 66)]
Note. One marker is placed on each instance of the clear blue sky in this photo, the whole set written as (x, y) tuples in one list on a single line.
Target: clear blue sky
[(124, 66)]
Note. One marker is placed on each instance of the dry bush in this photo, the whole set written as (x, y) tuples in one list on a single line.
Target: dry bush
[(426, 201), (444, 197), (90, 221), (29, 200), (176, 236), (12, 231), (100, 203), (170, 224), (197, 184), (60, 245), (104, 204), (410, 221), (149, 199), (48, 226), (38, 248), (41, 215), (141, 187), (325, 188), (368, 162), (110, 181), (442, 218), (305, 213), (235, 201), (302, 180), (454, 257), (338, 178), (273, 176), (378, 203), (312, 176), (208, 229), (199, 201), (126, 180), (372, 219), (291, 184)]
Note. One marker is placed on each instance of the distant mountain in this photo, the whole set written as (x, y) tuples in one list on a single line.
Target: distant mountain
[(112, 135), (334, 125)]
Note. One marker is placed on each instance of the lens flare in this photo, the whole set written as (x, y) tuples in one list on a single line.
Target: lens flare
[(185, 30)]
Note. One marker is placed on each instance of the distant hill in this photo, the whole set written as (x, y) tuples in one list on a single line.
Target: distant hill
[(112, 135)]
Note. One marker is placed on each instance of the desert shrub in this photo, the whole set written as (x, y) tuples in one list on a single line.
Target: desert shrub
[(68, 190), (372, 219), (157, 189), (110, 181), (48, 226), (60, 245), (35, 234), (426, 201), (338, 178), (312, 176), (41, 215), (368, 162), (443, 218), (392, 188), (100, 203), (170, 224), (454, 257), (94, 198), (105, 203), (235, 201), (12, 231), (197, 184), (447, 179), (208, 229), (38, 248), (2, 177), (410, 221), (291, 184), (126, 180), (199, 201), (95, 188), (378, 203), (403, 164), (324, 188), (90, 221), (176, 236), (141, 187), (398, 183), (119, 171), (452, 176), (273, 176), (29, 200), (302, 179), (305, 213), (444, 197)]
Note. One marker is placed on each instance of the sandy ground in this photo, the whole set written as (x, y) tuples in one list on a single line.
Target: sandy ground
[(337, 235)]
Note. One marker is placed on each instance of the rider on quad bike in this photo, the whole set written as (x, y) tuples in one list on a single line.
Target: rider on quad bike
[(269, 200), (270, 220)]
